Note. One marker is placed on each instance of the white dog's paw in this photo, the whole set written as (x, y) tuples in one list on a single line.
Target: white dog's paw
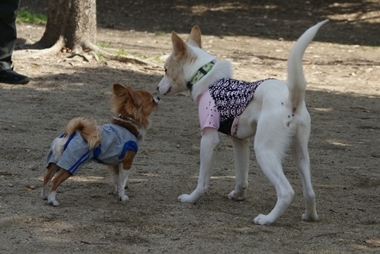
[(262, 219), (313, 216), (185, 198), (237, 196), (123, 198)]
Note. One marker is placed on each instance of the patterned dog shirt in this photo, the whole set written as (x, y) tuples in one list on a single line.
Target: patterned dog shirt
[(221, 105)]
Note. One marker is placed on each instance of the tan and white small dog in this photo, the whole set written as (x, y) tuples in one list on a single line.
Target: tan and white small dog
[(114, 145), (277, 118)]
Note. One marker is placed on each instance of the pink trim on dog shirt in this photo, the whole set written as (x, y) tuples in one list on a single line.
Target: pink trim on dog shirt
[(209, 116)]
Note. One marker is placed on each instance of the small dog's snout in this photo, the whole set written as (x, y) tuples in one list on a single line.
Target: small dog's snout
[(156, 99)]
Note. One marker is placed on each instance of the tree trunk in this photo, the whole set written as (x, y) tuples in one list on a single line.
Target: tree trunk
[(70, 23)]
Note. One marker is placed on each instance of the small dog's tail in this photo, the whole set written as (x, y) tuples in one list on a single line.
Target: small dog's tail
[(296, 79), (89, 130)]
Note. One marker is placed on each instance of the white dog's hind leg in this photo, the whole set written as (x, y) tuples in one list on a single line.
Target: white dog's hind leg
[(272, 168), (241, 152), (209, 142), (301, 157), (271, 142)]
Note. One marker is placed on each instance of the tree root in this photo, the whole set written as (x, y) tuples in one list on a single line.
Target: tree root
[(32, 52), (112, 56)]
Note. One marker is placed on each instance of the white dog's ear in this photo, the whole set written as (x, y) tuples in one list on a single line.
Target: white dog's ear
[(179, 47), (195, 37)]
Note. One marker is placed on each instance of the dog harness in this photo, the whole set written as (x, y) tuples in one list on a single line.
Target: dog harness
[(221, 105), (116, 141)]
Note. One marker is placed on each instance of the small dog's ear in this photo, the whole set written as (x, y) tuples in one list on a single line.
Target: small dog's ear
[(179, 47), (118, 89), (134, 96), (195, 37)]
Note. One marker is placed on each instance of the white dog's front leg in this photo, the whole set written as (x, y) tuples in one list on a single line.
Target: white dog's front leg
[(209, 142), (241, 152), (123, 177)]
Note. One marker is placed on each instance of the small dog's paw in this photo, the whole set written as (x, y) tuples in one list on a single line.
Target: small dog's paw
[(123, 198), (262, 219), (44, 195), (238, 197), (51, 199), (310, 216), (53, 202)]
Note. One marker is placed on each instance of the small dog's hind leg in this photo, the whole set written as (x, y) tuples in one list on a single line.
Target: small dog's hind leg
[(241, 152), (51, 170), (209, 142), (60, 178)]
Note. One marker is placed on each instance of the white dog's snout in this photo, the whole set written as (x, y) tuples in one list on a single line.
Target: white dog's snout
[(156, 99)]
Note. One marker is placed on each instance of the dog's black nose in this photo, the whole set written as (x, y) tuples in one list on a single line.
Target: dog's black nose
[(158, 98)]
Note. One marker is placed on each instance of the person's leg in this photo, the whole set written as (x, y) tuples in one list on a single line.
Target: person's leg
[(8, 38)]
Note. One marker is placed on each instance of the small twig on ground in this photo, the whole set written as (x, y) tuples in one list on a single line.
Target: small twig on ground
[(93, 243)]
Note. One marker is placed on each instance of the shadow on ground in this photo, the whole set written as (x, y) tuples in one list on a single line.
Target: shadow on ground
[(352, 22)]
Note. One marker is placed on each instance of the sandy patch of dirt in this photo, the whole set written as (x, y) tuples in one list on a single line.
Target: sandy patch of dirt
[(342, 68)]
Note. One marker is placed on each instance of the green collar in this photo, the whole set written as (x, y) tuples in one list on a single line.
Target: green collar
[(200, 74)]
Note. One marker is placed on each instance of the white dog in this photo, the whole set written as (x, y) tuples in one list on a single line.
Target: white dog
[(277, 118)]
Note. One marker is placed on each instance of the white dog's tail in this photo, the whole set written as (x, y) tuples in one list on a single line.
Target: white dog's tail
[(296, 79)]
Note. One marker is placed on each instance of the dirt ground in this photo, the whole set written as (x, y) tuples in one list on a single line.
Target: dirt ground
[(341, 66)]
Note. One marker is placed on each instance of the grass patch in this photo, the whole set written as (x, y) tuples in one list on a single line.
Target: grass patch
[(103, 45), (121, 52), (140, 56), (31, 18), (159, 33)]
